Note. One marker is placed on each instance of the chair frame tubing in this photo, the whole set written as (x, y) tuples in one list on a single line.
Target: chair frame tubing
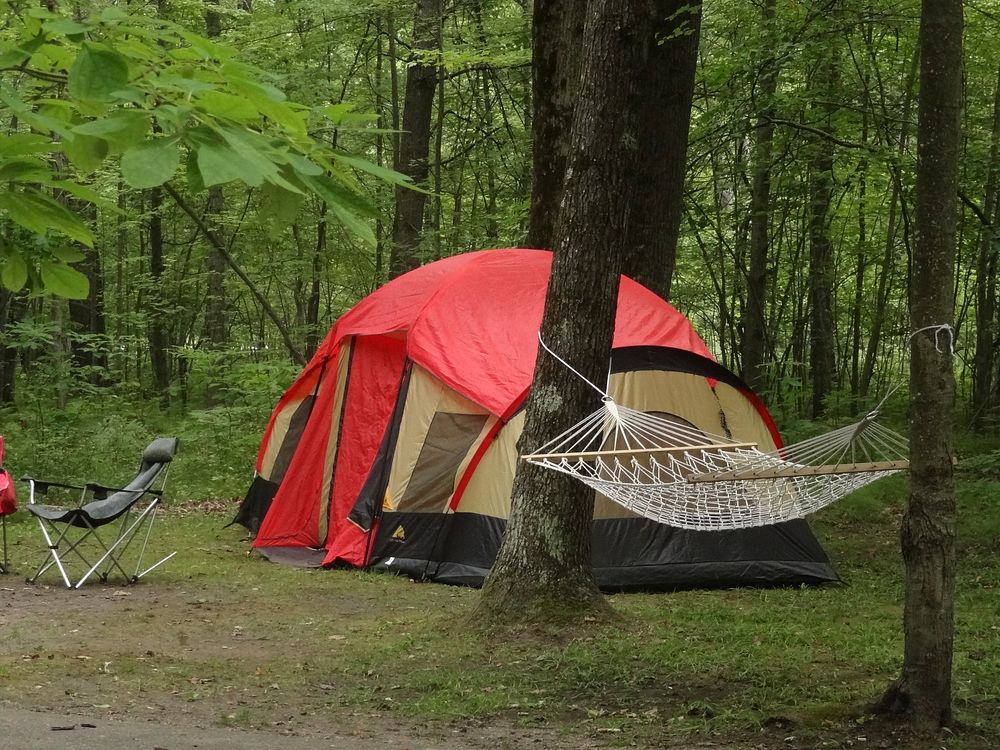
[(128, 529)]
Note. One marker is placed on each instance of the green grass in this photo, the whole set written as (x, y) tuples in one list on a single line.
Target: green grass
[(233, 639), (220, 636)]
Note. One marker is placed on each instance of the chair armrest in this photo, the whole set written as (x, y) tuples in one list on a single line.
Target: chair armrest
[(42, 485)]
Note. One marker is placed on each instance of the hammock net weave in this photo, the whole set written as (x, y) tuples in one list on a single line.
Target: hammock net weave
[(671, 472)]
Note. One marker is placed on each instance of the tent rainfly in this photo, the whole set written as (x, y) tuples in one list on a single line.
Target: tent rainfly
[(395, 448)]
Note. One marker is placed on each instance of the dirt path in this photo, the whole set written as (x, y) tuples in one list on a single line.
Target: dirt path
[(33, 730), (45, 730)]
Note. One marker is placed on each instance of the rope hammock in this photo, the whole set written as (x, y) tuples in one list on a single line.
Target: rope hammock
[(667, 470)]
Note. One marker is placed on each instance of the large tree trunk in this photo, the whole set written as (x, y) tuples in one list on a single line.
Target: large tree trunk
[(754, 342), (986, 286), (544, 568), (414, 142), (922, 694), (555, 80), (664, 122)]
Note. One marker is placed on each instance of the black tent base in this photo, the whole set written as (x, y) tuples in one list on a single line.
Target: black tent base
[(630, 554)]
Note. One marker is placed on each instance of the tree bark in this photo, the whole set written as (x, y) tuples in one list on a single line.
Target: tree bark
[(822, 364), (12, 308), (922, 695), (986, 286), (555, 76), (754, 342), (414, 142), (544, 570), (158, 339), (664, 123), (87, 315)]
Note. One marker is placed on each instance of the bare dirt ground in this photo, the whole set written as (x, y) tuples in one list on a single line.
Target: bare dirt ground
[(168, 666)]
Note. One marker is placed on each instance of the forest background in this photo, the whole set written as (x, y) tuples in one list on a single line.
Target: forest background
[(198, 298), (193, 192)]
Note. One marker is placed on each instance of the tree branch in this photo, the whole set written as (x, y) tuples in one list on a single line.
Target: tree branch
[(815, 131), (983, 218), (231, 261)]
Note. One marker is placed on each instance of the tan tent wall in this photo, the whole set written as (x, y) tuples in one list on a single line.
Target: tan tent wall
[(429, 402), (488, 492), (283, 420)]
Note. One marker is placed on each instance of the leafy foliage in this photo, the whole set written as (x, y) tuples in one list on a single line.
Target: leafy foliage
[(147, 91)]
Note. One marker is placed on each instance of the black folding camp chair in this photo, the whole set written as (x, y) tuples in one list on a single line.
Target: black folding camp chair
[(77, 530)]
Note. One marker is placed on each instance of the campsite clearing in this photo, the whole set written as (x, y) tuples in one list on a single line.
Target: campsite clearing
[(218, 639)]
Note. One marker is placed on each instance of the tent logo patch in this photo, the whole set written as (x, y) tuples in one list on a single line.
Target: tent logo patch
[(399, 534)]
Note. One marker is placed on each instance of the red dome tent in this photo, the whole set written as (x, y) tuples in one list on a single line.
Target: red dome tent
[(394, 447)]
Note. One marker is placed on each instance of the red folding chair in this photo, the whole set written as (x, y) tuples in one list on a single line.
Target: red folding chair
[(8, 504)]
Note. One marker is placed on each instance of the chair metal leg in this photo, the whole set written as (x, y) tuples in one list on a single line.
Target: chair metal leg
[(4, 565), (52, 558), (123, 541)]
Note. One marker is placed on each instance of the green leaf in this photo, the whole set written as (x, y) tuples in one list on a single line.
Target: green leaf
[(194, 180), (67, 254), (336, 193), (85, 193), (219, 164), (151, 163), (13, 57), (39, 213), (383, 173), (65, 26), (97, 73), (291, 117), (227, 106), (24, 170), (14, 274), (20, 144), (86, 152), (64, 281), (345, 205), (278, 208), (356, 226), (253, 149), (342, 115), (121, 130), (304, 166)]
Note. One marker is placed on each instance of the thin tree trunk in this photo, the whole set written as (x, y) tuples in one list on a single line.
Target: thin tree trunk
[(214, 332), (822, 364), (896, 206), (12, 308), (986, 286), (158, 340), (754, 342), (414, 142), (261, 298), (860, 264), (922, 694)]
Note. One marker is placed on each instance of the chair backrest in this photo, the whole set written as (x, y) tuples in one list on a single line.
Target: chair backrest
[(155, 460), (160, 451)]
